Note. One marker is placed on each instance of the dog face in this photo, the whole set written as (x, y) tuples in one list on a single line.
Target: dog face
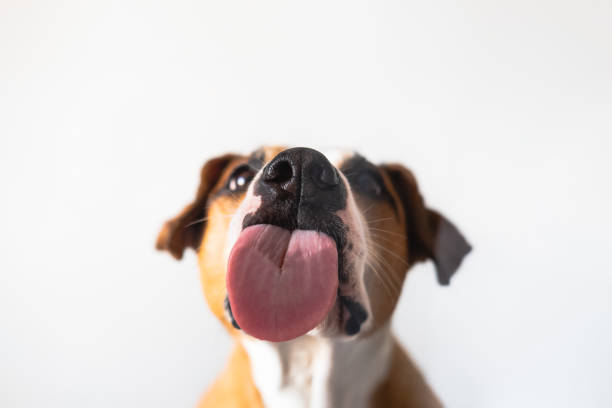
[(305, 202)]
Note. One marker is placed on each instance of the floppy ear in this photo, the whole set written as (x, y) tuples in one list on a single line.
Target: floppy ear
[(185, 230), (430, 235)]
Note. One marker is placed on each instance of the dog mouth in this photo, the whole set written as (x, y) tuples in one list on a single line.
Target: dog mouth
[(295, 252), (282, 284)]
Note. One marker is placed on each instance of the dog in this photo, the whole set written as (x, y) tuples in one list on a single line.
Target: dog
[(302, 258)]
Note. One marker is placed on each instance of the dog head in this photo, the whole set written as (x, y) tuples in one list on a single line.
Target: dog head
[(292, 241)]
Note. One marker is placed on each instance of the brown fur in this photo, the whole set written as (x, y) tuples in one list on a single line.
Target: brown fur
[(234, 388), (404, 386), (401, 233)]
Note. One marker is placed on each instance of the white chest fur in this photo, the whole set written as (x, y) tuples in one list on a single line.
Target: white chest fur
[(316, 372)]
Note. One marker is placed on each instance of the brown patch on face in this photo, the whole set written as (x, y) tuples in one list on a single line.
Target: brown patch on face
[(402, 231), (387, 258), (211, 255)]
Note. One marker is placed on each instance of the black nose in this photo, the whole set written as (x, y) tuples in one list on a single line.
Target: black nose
[(300, 189), (300, 171)]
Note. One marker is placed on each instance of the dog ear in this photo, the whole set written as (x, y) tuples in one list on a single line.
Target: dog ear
[(186, 229), (430, 235)]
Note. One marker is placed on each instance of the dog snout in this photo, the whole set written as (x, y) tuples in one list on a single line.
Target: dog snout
[(300, 171), (299, 189)]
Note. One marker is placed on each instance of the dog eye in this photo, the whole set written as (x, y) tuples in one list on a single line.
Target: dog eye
[(240, 179), (369, 184)]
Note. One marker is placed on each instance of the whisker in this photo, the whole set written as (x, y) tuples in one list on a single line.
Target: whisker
[(384, 238), (253, 167), (387, 286), (396, 256), (389, 232), (383, 262), (379, 220), (386, 278), (378, 257), (196, 222), (205, 219), (364, 212)]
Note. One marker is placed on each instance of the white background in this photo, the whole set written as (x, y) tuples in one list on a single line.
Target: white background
[(108, 109)]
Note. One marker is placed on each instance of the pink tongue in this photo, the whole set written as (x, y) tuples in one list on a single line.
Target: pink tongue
[(281, 284)]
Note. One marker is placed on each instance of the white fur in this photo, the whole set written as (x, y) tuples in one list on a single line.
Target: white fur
[(318, 372)]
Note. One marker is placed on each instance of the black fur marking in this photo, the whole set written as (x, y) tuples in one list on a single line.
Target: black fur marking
[(365, 178), (228, 308), (299, 189), (358, 315)]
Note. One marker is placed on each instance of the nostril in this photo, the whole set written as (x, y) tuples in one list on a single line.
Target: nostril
[(279, 172), (326, 176)]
